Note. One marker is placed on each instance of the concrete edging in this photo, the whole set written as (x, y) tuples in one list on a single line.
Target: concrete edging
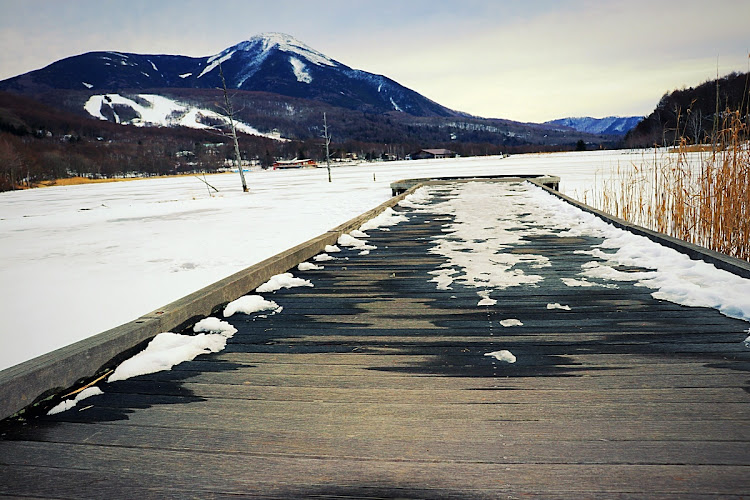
[(34, 380)]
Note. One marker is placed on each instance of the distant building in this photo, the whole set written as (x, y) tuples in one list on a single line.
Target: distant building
[(306, 162), (432, 153)]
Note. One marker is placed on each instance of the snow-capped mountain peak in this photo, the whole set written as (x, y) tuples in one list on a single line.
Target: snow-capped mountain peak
[(270, 62), (287, 43), (611, 125)]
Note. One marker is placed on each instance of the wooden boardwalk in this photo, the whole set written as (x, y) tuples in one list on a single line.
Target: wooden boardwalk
[(374, 384)]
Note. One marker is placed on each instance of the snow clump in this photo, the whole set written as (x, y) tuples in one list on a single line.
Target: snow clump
[(558, 306), (323, 257), (309, 266), (214, 325), (70, 403), (387, 217), (511, 322), (504, 356), (249, 304), (347, 240), (167, 350), (284, 280)]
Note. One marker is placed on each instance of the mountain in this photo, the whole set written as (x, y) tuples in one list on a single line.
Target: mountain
[(611, 125), (271, 62), (280, 89)]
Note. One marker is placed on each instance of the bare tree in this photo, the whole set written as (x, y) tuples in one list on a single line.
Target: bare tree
[(233, 131), (328, 143)]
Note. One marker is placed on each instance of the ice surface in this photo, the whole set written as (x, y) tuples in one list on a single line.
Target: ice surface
[(504, 356), (167, 350), (279, 281), (70, 403)]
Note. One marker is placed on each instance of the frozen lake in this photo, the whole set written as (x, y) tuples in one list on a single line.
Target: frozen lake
[(78, 260)]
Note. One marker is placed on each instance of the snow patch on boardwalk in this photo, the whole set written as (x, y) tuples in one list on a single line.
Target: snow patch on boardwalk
[(505, 356), (284, 280)]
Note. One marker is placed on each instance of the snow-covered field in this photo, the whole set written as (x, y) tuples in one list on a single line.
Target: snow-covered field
[(77, 260)]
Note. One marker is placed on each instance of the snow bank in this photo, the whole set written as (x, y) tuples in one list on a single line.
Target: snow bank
[(279, 281), (249, 304), (167, 350), (418, 199), (385, 219), (70, 403), (672, 275), (347, 240), (504, 356)]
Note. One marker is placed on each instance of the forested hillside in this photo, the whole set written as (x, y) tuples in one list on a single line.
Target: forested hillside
[(693, 113)]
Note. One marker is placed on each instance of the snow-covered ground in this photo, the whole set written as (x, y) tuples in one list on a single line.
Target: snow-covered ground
[(78, 260)]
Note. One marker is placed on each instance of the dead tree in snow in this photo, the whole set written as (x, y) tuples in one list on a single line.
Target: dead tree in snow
[(233, 131), (328, 142)]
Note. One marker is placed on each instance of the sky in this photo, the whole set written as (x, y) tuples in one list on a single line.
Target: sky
[(532, 60)]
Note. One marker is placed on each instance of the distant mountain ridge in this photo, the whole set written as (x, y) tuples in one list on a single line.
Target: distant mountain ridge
[(611, 125), (280, 90), (271, 62)]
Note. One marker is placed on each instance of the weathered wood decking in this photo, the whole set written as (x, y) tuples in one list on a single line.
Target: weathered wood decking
[(374, 384)]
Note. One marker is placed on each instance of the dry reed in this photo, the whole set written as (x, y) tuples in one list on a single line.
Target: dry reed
[(702, 198)]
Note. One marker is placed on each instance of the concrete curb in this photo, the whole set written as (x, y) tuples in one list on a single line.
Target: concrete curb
[(29, 382)]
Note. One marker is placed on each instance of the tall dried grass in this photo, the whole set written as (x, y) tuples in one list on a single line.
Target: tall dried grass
[(702, 198)]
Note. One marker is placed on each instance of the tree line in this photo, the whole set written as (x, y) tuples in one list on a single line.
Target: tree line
[(694, 114)]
